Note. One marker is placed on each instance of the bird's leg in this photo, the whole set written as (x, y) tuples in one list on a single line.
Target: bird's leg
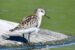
[(29, 37), (23, 35)]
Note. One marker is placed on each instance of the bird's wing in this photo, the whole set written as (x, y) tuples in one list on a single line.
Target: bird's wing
[(28, 22)]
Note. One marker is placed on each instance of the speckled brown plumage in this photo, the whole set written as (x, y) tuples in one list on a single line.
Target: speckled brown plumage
[(29, 21)]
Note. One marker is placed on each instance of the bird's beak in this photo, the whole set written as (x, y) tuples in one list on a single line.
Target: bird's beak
[(47, 16)]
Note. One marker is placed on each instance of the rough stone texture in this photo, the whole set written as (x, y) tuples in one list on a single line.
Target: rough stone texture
[(42, 36)]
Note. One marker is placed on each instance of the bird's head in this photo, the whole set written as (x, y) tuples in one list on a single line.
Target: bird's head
[(40, 12)]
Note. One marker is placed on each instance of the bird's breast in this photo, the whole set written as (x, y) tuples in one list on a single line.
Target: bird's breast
[(39, 21)]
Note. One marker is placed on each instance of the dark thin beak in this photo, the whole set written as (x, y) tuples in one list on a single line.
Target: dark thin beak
[(47, 16)]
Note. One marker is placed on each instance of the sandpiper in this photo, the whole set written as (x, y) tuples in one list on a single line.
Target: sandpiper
[(33, 20)]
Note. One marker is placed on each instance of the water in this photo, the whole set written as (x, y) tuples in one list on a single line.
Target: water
[(38, 47)]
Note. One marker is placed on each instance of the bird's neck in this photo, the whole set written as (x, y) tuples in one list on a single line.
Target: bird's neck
[(39, 19), (39, 15)]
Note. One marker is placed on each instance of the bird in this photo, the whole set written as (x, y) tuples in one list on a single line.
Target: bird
[(33, 20)]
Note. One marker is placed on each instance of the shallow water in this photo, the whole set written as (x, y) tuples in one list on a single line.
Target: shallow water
[(39, 47)]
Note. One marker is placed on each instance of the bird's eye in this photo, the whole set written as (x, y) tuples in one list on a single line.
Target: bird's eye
[(41, 11)]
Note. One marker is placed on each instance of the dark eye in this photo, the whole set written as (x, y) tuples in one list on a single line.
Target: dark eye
[(41, 11)]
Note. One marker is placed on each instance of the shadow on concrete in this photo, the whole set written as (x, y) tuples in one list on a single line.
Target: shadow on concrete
[(18, 38)]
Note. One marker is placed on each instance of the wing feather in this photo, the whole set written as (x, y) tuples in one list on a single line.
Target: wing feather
[(28, 22)]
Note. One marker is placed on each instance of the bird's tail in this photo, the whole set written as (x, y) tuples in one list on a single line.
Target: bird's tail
[(13, 29)]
